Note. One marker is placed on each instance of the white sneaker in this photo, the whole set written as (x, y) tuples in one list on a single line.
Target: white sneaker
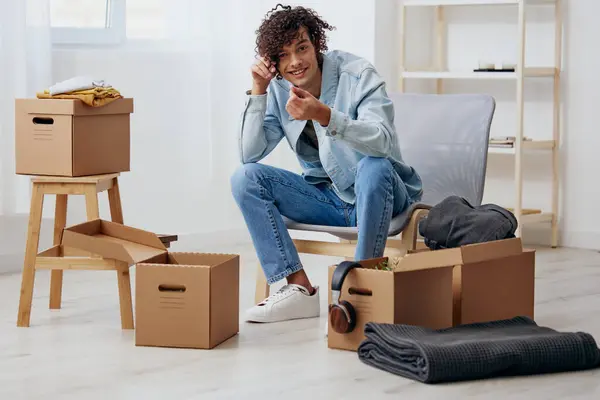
[(290, 302)]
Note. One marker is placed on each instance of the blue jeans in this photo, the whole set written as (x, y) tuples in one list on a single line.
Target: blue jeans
[(264, 194)]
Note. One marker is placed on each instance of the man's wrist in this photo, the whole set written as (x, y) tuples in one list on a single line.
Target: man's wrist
[(257, 90), (323, 115)]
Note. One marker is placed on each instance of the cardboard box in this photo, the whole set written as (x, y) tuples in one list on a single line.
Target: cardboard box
[(68, 138), (181, 299), (187, 300), (439, 289)]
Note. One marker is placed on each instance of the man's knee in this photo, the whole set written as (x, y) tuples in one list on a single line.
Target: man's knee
[(374, 169), (244, 177)]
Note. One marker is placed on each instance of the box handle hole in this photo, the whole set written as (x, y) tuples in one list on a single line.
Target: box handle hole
[(43, 121), (360, 291), (171, 288)]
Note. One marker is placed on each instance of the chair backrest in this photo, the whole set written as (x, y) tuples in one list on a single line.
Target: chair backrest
[(445, 138)]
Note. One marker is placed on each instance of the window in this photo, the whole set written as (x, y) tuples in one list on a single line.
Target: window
[(107, 21), (146, 19), (79, 13), (87, 21)]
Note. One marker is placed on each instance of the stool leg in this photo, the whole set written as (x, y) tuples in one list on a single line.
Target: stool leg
[(114, 200), (91, 206), (91, 203), (31, 250), (56, 276), (125, 299), (123, 277)]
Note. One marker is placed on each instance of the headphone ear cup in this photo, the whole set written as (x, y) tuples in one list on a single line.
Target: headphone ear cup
[(338, 318), (351, 313)]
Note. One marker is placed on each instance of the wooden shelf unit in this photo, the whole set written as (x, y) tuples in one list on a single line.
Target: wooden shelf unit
[(440, 73)]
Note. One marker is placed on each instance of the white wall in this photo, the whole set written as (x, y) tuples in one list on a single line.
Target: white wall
[(582, 141), (175, 156)]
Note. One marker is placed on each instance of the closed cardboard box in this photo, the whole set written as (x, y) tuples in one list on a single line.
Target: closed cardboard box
[(188, 300), (439, 289), (68, 138), (182, 299)]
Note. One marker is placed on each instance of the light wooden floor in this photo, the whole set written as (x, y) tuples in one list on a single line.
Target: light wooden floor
[(80, 352)]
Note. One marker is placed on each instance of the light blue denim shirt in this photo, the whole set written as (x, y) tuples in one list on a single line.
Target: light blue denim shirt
[(361, 124)]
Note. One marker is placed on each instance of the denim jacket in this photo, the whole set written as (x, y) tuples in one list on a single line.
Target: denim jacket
[(361, 124)]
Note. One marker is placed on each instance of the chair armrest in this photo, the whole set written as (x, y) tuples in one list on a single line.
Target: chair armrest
[(410, 232)]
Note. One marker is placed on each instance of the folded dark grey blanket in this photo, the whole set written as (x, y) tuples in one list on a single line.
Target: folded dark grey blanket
[(510, 347), (454, 222)]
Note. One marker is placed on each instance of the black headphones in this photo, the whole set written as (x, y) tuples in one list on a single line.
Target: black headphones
[(342, 315)]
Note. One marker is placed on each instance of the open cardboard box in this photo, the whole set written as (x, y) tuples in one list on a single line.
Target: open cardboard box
[(439, 289), (181, 299)]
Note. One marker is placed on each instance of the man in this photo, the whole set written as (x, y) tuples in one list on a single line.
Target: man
[(333, 109)]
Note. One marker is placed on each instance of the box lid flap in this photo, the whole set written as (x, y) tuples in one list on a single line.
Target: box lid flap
[(429, 259), (468, 254), (45, 106), (478, 252), (72, 107), (113, 240), (119, 106)]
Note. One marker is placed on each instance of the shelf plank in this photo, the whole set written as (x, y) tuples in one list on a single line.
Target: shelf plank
[(501, 150), (537, 218), (526, 211), (534, 72), (420, 3), (538, 145), (531, 215), (527, 145), (458, 75)]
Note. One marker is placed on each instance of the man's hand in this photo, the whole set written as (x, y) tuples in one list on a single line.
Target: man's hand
[(304, 106), (262, 73)]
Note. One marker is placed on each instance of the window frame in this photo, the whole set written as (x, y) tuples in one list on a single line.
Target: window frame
[(115, 33)]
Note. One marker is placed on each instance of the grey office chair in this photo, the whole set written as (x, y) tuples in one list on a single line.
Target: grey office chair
[(445, 138)]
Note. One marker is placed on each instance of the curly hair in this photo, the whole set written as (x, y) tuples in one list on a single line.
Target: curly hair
[(280, 27)]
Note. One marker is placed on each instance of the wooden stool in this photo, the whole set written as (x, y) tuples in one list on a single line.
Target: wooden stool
[(56, 258)]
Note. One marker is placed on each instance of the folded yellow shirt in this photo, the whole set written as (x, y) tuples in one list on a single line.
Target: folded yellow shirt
[(95, 97)]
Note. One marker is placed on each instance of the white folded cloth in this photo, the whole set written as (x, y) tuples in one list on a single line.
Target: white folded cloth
[(77, 83)]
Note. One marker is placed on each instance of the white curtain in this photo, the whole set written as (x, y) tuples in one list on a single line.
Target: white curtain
[(25, 66)]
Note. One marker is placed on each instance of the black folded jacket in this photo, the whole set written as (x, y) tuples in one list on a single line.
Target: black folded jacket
[(454, 222), (510, 347)]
